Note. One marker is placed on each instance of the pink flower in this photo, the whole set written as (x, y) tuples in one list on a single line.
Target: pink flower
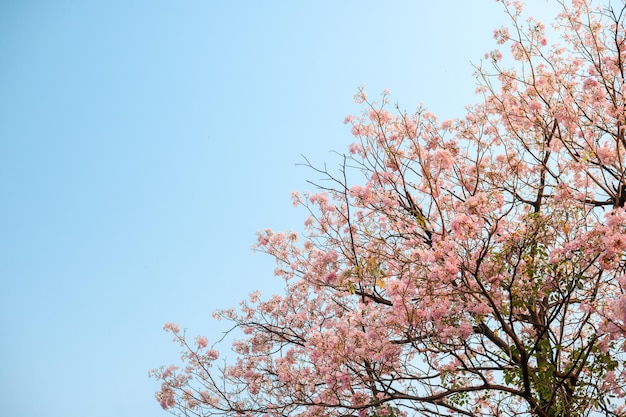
[(501, 35), (202, 342), (171, 327), (166, 397), (589, 84), (535, 105), (444, 158), (254, 296), (355, 148)]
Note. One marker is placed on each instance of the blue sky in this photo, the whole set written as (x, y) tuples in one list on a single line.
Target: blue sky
[(142, 144)]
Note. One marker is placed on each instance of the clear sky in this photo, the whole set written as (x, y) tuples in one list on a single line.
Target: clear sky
[(142, 144)]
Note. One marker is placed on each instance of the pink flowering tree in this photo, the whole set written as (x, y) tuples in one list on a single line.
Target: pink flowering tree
[(467, 267)]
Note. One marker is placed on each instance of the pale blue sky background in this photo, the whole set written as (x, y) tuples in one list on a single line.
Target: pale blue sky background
[(142, 144)]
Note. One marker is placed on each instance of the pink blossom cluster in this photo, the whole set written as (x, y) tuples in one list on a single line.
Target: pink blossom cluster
[(474, 266)]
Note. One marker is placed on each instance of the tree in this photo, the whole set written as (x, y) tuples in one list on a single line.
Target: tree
[(467, 267)]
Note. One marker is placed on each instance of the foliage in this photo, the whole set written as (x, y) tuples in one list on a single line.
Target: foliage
[(466, 267)]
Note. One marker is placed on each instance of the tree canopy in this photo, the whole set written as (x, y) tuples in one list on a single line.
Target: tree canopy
[(474, 266)]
